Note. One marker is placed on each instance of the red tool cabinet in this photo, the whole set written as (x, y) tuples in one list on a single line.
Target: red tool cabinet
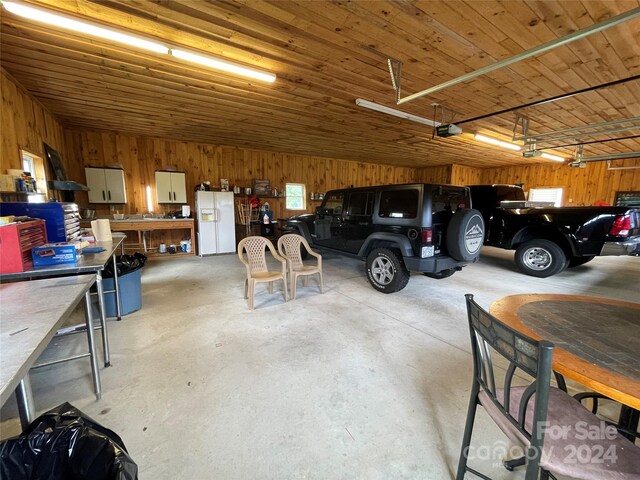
[(16, 242)]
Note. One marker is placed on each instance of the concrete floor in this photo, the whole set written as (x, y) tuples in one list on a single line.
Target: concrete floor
[(349, 384)]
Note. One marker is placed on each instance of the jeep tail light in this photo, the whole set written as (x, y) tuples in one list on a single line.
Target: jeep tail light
[(621, 226), (427, 236)]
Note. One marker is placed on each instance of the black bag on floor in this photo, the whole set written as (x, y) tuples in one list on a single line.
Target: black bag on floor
[(65, 444), (125, 264)]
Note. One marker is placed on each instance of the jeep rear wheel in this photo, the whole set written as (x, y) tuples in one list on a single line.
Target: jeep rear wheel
[(540, 258), (465, 235), (386, 270)]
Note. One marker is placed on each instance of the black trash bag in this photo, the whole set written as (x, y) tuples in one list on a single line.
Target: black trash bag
[(65, 444), (126, 264)]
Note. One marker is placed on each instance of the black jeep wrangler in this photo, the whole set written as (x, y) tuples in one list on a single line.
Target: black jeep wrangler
[(397, 229)]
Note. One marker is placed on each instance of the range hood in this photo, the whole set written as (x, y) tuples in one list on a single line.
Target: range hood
[(61, 183), (67, 185)]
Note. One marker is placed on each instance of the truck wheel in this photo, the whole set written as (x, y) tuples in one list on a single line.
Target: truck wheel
[(540, 258), (440, 275), (465, 235), (577, 261), (386, 270)]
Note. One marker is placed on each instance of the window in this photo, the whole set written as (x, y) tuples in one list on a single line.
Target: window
[(546, 195), (35, 166), (333, 203), (295, 196), (28, 164), (399, 203), (445, 202), (361, 203)]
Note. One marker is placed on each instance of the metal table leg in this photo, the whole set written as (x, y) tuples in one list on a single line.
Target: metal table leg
[(103, 319), (116, 287), (95, 372), (26, 406)]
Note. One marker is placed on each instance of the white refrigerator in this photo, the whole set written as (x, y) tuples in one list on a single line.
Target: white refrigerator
[(216, 223)]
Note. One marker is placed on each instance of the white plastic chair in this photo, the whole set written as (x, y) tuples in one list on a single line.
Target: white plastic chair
[(289, 248), (256, 264)]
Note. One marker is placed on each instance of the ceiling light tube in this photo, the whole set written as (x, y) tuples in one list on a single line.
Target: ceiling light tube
[(556, 158), (223, 65), (499, 143), (396, 113), (90, 29)]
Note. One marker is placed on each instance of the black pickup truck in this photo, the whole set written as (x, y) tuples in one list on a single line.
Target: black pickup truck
[(549, 239)]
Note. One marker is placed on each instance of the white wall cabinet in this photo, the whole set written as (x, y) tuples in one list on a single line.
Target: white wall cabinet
[(106, 185), (171, 187)]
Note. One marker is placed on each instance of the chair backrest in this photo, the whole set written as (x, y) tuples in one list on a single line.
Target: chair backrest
[(289, 246), (256, 257), (488, 335), (244, 213)]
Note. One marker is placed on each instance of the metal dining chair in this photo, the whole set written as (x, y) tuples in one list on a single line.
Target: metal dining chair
[(256, 265), (526, 414)]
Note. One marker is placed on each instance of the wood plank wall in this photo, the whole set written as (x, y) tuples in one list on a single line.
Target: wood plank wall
[(440, 174), (451, 174), (583, 186), (462, 175), (142, 156), (25, 125)]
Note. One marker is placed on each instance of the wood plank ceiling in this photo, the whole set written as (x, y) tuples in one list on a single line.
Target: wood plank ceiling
[(317, 50)]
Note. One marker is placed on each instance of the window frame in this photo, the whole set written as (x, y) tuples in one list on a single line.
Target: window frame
[(559, 194), (287, 196)]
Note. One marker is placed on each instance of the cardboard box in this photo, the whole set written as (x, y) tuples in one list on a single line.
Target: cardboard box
[(7, 183), (51, 254)]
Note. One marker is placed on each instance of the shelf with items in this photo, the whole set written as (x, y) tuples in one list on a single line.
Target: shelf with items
[(242, 195), (316, 196), (26, 194)]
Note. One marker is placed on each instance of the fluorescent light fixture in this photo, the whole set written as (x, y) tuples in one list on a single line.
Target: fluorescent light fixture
[(548, 156), (82, 27), (223, 65), (499, 143), (396, 113), (61, 21)]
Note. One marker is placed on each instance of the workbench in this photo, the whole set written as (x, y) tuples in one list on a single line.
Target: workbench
[(173, 231)]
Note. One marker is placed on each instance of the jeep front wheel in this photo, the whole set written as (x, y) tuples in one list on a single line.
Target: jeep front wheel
[(540, 258), (386, 270)]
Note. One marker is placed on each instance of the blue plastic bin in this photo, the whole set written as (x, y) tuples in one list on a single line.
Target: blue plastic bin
[(130, 285)]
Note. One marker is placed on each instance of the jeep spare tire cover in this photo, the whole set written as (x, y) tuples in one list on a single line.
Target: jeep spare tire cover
[(465, 235)]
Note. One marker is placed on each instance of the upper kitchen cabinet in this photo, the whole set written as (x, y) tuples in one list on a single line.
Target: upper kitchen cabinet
[(171, 187), (106, 185)]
